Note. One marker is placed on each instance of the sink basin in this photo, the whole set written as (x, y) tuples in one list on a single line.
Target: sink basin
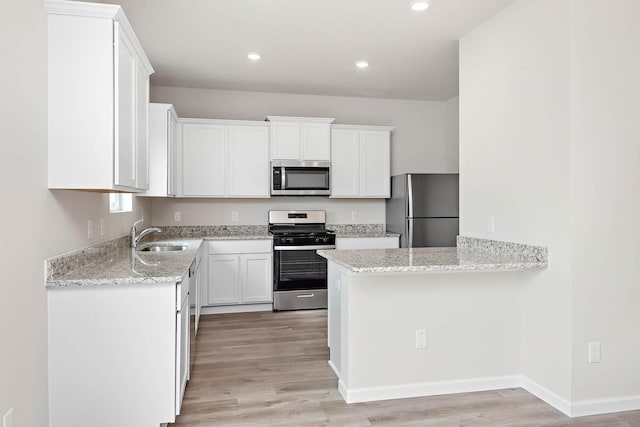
[(163, 247)]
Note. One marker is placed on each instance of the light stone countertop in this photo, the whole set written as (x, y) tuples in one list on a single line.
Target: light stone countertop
[(122, 265), (365, 235), (427, 260), (126, 266)]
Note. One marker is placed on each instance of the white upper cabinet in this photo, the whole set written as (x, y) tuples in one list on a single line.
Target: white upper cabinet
[(163, 133), (300, 138), (224, 158), (248, 161), (98, 92), (204, 160), (360, 161)]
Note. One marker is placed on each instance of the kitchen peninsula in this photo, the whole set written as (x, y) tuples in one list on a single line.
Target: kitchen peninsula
[(399, 329)]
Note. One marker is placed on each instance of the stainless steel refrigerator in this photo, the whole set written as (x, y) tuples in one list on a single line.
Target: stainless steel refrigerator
[(424, 209)]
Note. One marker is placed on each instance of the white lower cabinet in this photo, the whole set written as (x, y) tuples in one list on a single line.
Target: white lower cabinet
[(118, 354), (240, 272)]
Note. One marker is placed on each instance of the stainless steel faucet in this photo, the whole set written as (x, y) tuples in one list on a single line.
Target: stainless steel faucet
[(135, 239)]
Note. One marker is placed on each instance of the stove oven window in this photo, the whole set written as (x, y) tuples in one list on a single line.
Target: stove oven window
[(299, 269)]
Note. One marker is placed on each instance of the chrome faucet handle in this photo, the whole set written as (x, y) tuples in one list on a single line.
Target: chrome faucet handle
[(133, 227)]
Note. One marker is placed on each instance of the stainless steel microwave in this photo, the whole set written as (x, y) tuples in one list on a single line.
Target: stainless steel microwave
[(299, 178)]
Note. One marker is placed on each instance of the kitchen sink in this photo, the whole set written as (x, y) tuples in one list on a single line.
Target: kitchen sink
[(163, 247)]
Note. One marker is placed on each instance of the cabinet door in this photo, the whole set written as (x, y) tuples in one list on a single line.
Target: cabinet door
[(142, 128), (204, 160), (125, 81), (374, 163), (345, 163), (172, 137), (256, 273), (224, 283), (285, 141), (182, 353), (316, 141), (248, 161)]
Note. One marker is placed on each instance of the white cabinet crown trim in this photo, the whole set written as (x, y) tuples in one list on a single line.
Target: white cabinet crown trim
[(363, 127), (223, 122), (300, 119)]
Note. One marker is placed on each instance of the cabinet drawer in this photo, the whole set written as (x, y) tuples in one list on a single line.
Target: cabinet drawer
[(240, 246)]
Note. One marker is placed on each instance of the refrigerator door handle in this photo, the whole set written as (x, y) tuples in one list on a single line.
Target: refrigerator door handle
[(410, 195), (410, 223)]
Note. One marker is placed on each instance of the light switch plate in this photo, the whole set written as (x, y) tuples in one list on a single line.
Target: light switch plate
[(90, 229), (177, 216)]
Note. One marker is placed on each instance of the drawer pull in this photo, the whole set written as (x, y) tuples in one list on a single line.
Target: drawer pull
[(305, 296)]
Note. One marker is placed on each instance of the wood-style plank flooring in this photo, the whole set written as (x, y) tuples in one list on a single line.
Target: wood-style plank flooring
[(270, 369)]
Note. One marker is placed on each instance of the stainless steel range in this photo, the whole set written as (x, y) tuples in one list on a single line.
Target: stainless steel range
[(299, 273)]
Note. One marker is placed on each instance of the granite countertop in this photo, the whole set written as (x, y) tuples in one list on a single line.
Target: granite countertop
[(355, 231), (418, 260), (238, 232), (364, 234), (126, 266), (119, 264)]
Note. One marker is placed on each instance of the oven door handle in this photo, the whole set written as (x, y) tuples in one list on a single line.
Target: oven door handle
[(303, 248)]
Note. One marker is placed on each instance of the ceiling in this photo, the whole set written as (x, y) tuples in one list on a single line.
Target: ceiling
[(308, 47)]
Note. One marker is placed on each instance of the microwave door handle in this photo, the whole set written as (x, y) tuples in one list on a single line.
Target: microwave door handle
[(283, 178)]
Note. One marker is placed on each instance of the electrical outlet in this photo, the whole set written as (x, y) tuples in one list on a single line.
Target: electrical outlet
[(177, 216), (234, 216), (421, 338), (7, 420), (354, 215), (594, 352), (491, 225), (102, 228), (90, 229)]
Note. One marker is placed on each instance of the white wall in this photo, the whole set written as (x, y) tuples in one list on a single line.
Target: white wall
[(605, 175), (514, 164), (36, 223), (254, 211), (549, 146), (420, 142)]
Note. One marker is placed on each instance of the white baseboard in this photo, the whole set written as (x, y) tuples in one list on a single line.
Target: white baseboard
[(582, 408), (427, 389), (241, 308), (546, 395), (335, 370)]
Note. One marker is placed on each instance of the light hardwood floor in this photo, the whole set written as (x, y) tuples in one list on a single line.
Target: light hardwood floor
[(270, 369)]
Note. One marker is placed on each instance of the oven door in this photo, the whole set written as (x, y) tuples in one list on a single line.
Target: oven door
[(299, 268), (299, 278)]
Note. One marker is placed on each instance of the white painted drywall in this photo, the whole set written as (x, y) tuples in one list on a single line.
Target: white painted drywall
[(421, 141), (472, 321), (255, 211), (36, 223), (549, 148), (514, 164), (605, 177)]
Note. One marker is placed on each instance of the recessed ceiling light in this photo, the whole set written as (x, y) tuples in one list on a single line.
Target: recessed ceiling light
[(362, 64), (419, 5), (253, 56)]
